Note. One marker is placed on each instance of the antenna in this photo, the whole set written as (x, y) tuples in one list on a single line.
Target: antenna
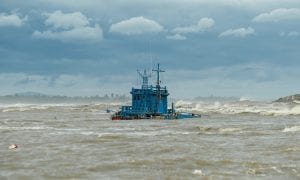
[(145, 78), (151, 58)]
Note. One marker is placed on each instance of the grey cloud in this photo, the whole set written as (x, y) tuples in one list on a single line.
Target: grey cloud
[(240, 32), (276, 15), (59, 20), (12, 20), (69, 27), (79, 35), (136, 25), (176, 37), (202, 25)]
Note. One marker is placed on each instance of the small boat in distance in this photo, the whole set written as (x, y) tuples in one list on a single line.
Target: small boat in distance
[(150, 102)]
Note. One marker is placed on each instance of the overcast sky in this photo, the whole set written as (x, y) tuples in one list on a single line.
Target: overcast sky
[(243, 48)]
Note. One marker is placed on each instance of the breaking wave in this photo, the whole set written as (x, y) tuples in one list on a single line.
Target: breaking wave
[(291, 129), (219, 130), (240, 107), (24, 128), (67, 106)]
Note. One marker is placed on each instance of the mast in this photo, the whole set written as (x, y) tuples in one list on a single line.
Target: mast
[(158, 96), (158, 70)]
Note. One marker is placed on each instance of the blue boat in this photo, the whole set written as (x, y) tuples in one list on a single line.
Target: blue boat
[(150, 102)]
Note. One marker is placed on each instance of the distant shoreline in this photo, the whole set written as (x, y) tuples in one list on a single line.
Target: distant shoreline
[(39, 97)]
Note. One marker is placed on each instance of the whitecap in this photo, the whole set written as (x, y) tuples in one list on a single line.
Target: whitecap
[(24, 128), (239, 107), (198, 172), (276, 169), (226, 130), (291, 129)]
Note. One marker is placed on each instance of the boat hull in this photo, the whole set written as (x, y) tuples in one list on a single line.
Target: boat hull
[(156, 117)]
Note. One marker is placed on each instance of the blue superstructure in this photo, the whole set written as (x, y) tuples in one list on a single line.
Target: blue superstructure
[(150, 102)]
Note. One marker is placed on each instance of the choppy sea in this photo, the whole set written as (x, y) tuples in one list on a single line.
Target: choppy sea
[(232, 140)]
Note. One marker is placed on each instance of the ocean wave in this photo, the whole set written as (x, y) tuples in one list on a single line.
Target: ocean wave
[(198, 172), (219, 130), (24, 128), (29, 107), (291, 129), (239, 107), (64, 106), (200, 107)]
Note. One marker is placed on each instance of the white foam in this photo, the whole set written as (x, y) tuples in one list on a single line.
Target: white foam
[(221, 107), (29, 107), (244, 98), (87, 133), (296, 101), (21, 107), (198, 172), (276, 169), (226, 130), (24, 128), (145, 133), (291, 129), (240, 107)]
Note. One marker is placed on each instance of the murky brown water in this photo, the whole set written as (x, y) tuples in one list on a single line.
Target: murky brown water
[(80, 142)]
